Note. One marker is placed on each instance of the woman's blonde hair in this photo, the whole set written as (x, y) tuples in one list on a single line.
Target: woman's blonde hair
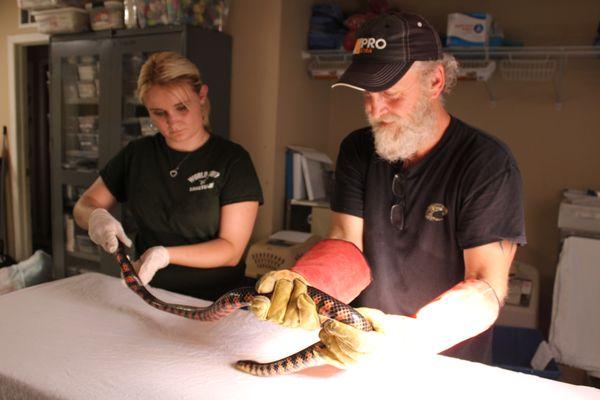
[(170, 69)]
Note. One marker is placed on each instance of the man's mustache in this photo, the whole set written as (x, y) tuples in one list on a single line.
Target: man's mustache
[(386, 119)]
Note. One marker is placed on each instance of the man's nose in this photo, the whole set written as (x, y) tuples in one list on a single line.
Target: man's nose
[(376, 105)]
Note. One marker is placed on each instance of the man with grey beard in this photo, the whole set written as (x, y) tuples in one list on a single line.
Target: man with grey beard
[(434, 204)]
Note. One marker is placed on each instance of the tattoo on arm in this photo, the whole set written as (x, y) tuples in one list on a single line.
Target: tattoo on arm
[(511, 245)]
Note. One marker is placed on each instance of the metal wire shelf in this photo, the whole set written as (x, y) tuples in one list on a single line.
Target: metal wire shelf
[(478, 70), (526, 64), (528, 70)]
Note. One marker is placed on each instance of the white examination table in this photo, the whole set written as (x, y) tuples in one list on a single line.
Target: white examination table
[(90, 337)]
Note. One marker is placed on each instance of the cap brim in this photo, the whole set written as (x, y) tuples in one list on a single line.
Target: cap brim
[(372, 77)]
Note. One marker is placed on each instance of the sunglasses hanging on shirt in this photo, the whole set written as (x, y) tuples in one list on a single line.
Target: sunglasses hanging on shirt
[(398, 210)]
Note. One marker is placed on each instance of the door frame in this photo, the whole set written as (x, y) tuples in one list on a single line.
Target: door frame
[(19, 226)]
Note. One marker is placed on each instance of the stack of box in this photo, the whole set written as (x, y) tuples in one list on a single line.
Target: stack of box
[(57, 16)]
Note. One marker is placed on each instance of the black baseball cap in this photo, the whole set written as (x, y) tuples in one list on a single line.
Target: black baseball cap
[(385, 49)]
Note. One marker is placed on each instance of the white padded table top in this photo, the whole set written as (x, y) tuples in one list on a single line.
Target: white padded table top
[(90, 337)]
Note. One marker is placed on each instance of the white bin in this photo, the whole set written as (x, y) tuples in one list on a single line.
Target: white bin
[(45, 4), (62, 20)]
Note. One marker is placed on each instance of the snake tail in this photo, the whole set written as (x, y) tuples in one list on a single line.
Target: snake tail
[(306, 358)]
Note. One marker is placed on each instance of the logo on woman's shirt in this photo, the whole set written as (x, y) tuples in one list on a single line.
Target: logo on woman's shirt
[(204, 180)]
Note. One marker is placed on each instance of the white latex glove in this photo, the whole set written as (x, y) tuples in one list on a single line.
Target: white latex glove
[(152, 260), (104, 230)]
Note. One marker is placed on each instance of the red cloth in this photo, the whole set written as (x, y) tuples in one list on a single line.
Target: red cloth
[(336, 267)]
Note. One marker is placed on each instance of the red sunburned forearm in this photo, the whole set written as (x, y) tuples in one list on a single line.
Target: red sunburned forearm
[(336, 267)]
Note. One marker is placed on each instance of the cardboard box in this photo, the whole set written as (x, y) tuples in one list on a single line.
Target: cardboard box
[(468, 29)]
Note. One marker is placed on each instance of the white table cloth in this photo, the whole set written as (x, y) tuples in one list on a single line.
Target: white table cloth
[(90, 337)]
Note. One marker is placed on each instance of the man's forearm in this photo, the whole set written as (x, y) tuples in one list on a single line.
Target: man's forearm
[(82, 210), (462, 312), (336, 267)]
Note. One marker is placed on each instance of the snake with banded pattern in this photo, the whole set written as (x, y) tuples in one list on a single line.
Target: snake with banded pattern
[(309, 357)]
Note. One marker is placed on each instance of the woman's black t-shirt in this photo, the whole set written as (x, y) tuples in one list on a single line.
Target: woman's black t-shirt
[(185, 209)]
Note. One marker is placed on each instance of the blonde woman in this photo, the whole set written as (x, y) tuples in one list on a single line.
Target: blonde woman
[(194, 195)]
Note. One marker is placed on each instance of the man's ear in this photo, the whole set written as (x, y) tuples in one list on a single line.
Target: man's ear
[(437, 82)]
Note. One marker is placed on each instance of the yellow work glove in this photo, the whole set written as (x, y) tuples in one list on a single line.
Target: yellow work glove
[(347, 345), (289, 305)]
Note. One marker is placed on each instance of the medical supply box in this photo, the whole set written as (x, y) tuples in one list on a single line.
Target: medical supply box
[(468, 29)]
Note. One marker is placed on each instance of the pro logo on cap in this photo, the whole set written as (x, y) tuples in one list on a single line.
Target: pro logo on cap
[(366, 45)]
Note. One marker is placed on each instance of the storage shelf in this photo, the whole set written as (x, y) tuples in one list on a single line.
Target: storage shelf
[(133, 100), (84, 255), (86, 101), (78, 269), (342, 58), (79, 178), (526, 64), (525, 51), (131, 120)]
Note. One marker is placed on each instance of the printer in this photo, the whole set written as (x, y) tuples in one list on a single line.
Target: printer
[(579, 214), (281, 250)]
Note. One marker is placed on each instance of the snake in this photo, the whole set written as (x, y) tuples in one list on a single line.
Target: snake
[(326, 305)]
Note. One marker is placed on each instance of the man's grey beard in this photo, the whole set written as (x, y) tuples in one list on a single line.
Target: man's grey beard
[(401, 138)]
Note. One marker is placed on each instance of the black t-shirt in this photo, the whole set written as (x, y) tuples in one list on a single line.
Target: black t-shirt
[(466, 192), (185, 209)]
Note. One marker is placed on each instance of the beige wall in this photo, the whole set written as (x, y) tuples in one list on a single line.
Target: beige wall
[(555, 149), (538, 22), (274, 103), (303, 103), (9, 25), (256, 27)]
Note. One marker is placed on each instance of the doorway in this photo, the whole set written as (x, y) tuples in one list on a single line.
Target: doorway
[(38, 139), (28, 98)]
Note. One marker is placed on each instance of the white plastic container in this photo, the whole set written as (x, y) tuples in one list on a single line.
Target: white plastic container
[(70, 91), (146, 126), (88, 141), (108, 17), (86, 89), (62, 20), (88, 123), (87, 72), (33, 5), (583, 219)]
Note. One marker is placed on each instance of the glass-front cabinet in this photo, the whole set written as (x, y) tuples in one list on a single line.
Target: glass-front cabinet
[(78, 116), (94, 112), (81, 95)]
